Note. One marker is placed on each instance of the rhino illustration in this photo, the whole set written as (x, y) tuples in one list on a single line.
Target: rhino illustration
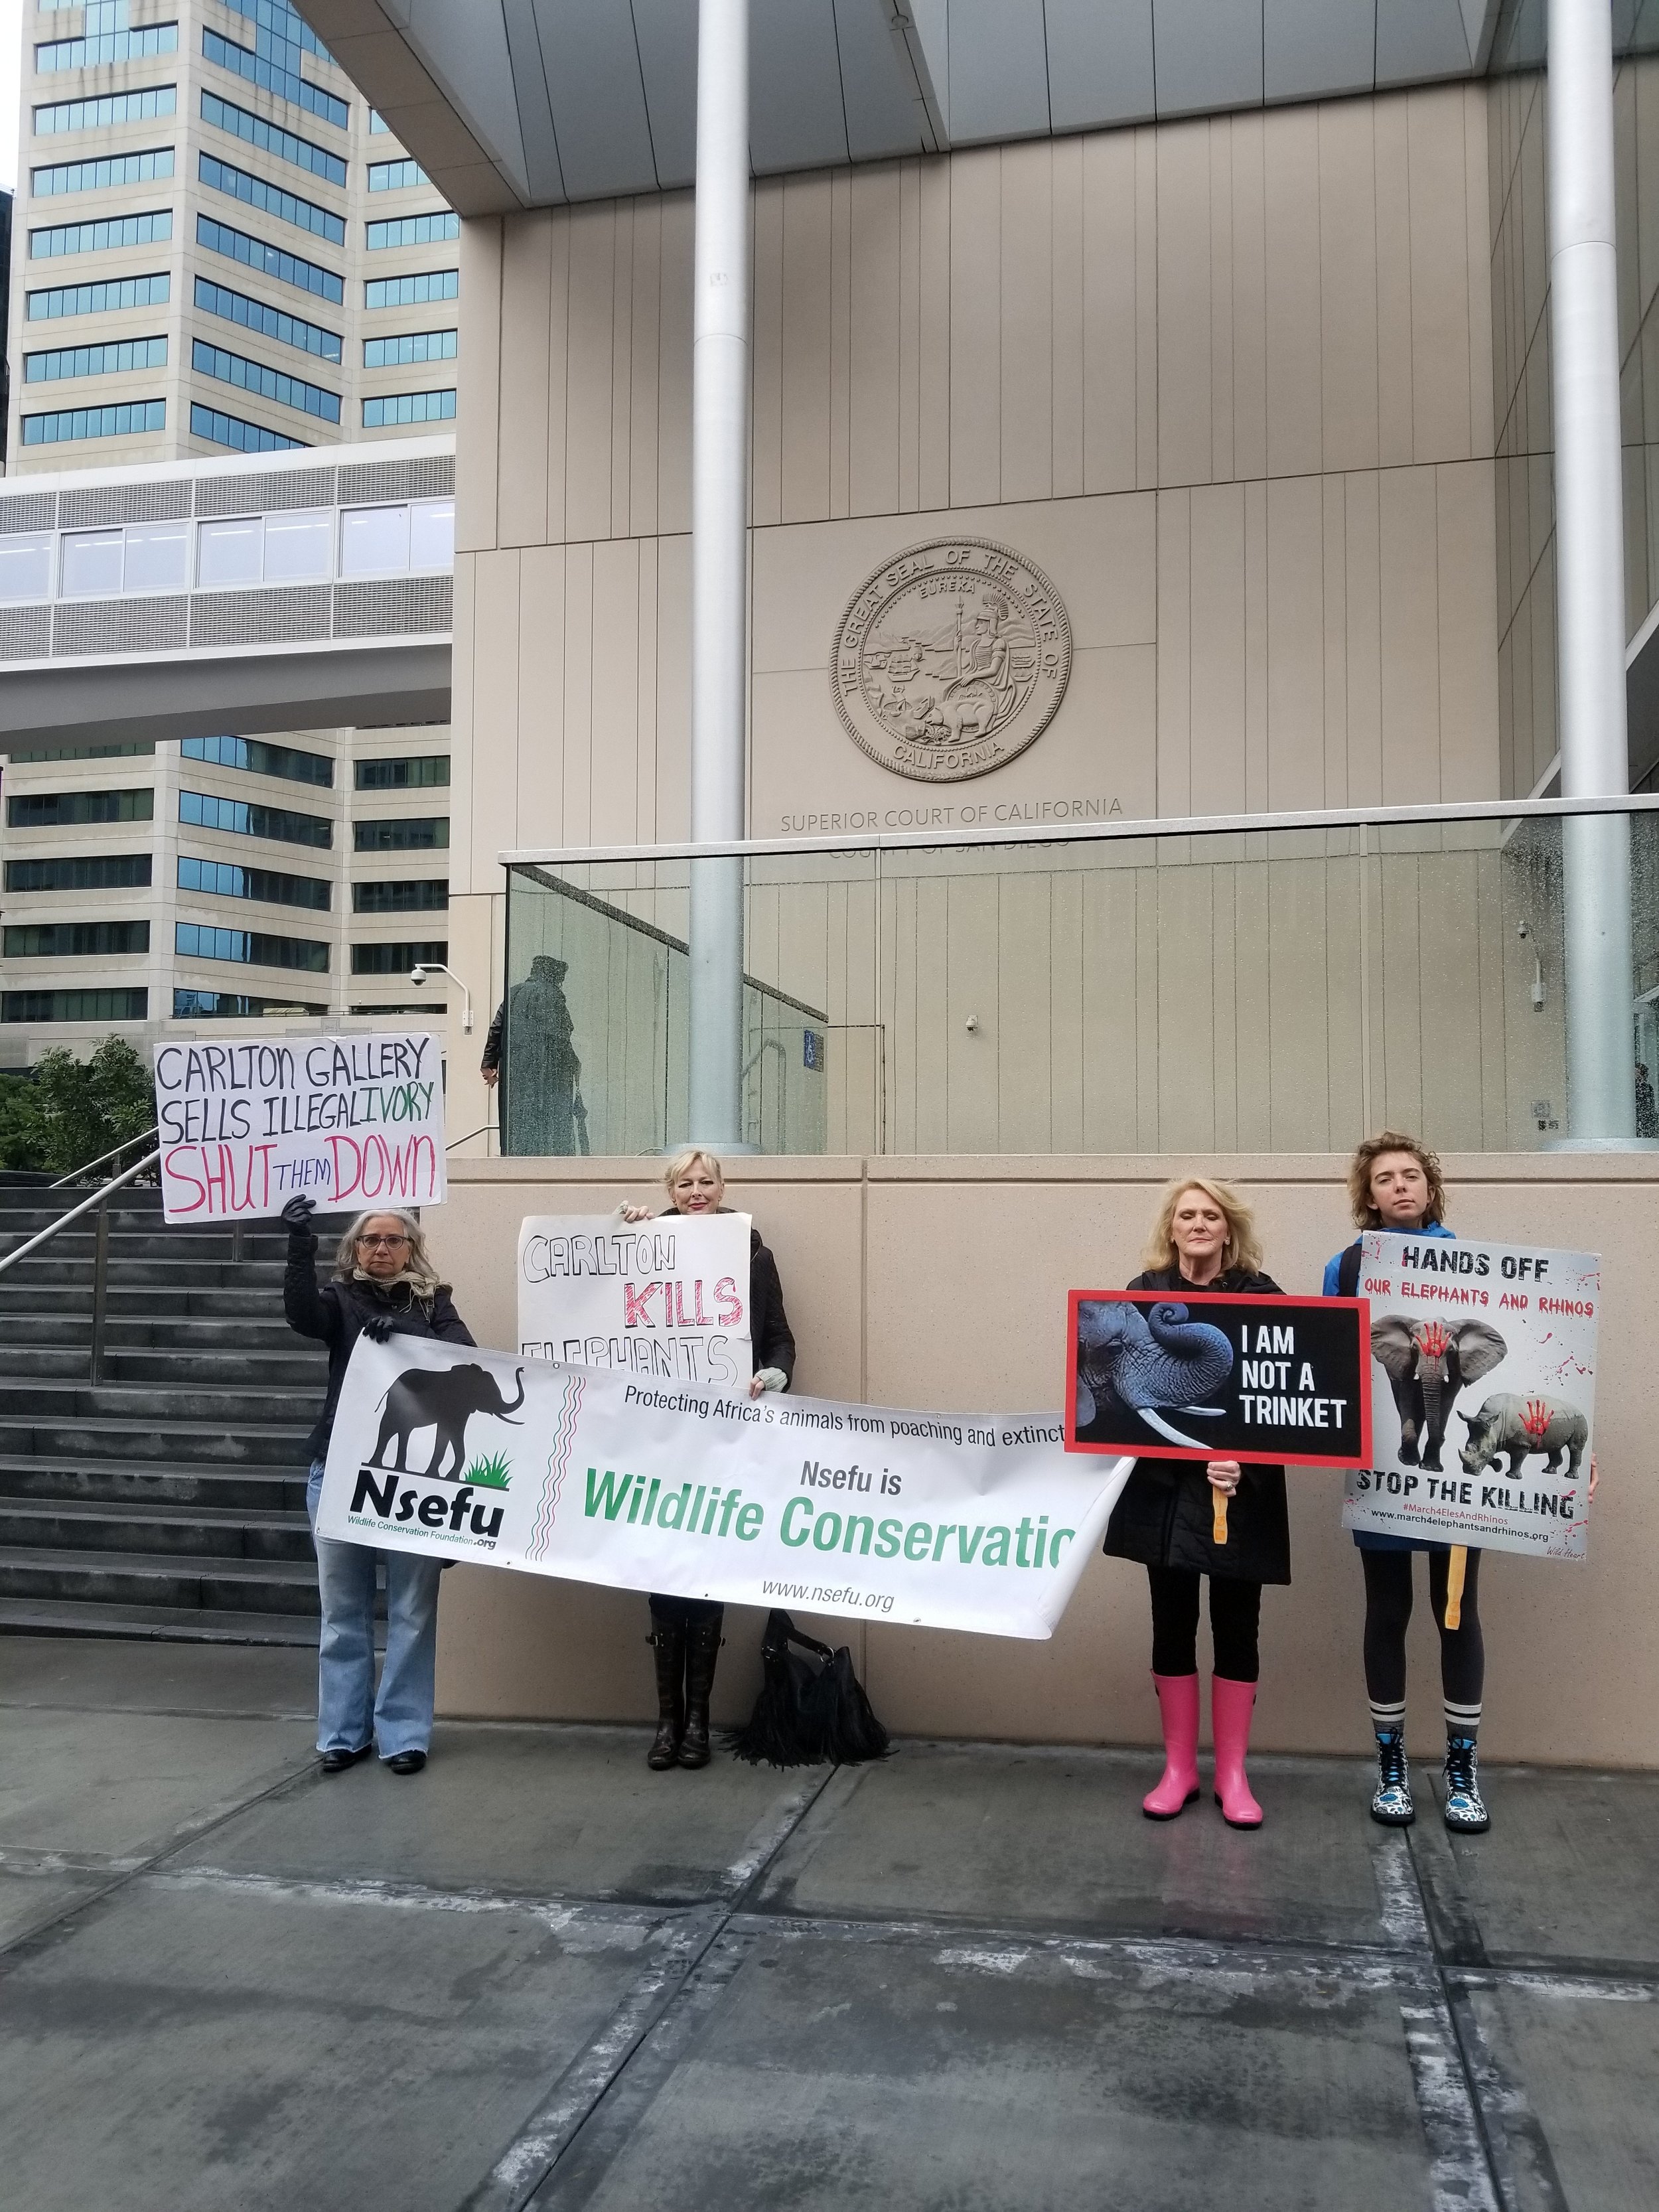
[(1509, 1424)]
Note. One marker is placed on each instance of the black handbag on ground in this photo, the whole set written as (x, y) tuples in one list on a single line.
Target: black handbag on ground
[(810, 1708)]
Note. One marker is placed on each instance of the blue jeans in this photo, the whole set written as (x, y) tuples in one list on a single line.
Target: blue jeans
[(347, 1710)]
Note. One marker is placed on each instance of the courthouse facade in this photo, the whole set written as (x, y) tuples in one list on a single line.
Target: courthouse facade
[(1151, 421)]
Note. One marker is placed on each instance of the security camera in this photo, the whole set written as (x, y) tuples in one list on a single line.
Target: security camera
[(417, 976), (1524, 929)]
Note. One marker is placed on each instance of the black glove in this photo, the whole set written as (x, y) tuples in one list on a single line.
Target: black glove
[(298, 1212), (377, 1328)]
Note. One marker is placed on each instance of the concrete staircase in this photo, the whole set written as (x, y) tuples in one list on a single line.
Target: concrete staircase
[(168, 1501)]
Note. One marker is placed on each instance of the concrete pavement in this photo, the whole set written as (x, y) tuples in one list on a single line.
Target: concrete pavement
[(972, 1977)]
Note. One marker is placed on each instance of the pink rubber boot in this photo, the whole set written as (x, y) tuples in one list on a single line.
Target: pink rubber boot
[(1231, 1706), (1177, 1700)]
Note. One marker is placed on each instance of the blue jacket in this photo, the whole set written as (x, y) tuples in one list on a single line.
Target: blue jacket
[(1331, 1288)]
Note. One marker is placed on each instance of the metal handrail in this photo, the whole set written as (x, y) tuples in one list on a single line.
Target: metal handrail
[(99, 1201), (45, 1236), (113, 1153)]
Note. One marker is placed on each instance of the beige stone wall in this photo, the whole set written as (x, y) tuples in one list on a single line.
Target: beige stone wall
[(941, 1282), (1228, 381)]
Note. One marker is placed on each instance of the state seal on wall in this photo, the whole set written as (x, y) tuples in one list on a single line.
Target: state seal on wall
[(951, 658)]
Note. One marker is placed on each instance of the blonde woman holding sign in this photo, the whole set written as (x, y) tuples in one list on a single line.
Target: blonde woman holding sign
[(685, 1631), (1183, 1519)]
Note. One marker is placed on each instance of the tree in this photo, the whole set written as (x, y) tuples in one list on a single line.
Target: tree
[(81, 1107), (22, 1142)]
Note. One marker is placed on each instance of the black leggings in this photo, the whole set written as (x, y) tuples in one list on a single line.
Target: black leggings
[(1235, 1618), (1388, 1611)]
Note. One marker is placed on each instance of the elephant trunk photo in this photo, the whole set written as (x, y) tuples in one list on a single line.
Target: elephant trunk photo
[(1147, 1358), (1427, 1363)]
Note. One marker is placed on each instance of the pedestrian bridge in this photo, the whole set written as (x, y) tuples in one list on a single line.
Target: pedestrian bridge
[(276, 592)]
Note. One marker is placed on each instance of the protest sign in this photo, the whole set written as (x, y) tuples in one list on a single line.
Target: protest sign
[(667, 1298), (349, 1121), (1212, 1375), (978, 1521), (1485, 1373)]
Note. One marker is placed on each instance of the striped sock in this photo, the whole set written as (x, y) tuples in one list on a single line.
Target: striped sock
[(1388, 1719), (1462, 1720)]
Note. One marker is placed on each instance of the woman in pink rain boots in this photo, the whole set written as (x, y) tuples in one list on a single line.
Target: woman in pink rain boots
[(1204, 1239)]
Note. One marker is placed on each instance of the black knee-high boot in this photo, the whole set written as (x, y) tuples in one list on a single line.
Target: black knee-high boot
[(667, 1641), (702, 1647)]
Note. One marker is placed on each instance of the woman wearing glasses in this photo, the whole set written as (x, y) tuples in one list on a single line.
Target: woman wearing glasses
[(384, 1284)]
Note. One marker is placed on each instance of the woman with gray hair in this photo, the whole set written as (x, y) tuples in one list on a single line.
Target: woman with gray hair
[(384, 1284)]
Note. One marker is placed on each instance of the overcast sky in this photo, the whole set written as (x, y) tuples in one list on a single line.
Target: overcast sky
[(11, 52)]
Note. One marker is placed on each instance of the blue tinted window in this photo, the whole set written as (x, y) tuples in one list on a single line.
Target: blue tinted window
[(305, 215), (270, 260), (409, 407), (242, 437), (122, 422)]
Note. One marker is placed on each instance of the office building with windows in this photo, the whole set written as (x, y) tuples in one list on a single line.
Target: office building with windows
[(220, 247), (222, 878), (219, 243)]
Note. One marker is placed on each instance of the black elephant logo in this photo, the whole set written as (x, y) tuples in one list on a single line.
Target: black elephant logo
[(1427, 1364), (444, 1399)]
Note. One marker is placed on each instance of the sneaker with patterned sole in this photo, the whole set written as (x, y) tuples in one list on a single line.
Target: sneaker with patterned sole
[(1466, 1809), (1392, 1805)]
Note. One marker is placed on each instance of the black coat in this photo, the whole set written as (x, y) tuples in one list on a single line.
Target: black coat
[(337, 1312), (1165, 1517), (769, 1325), (770, 1336)]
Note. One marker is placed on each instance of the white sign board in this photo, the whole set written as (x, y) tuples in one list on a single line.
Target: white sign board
[(937, 1520), (1483, 1393), (350, 1122), (667, 1298)]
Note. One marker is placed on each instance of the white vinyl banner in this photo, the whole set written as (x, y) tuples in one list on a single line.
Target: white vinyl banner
[(667, 1298), (936, 1519), (348, 1121), (1483, 1393)]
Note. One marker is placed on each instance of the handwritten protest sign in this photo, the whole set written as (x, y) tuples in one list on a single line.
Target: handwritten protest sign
[(668, 1299), (1216, 1374), (249, 1124), (939, 1520), (1485, 1364)]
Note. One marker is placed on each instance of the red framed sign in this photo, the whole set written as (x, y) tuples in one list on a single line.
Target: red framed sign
[(1205, 1375)]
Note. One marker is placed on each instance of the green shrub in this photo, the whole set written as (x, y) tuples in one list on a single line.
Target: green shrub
[(73, 1109), (22, 1144)]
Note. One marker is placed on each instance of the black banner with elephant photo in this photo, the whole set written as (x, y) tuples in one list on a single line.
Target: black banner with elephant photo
[(1484, 1394), (1219, 1375)]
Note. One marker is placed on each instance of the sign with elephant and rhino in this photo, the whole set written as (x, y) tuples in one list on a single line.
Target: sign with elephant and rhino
[(1485, 1362), (1219, 1375)]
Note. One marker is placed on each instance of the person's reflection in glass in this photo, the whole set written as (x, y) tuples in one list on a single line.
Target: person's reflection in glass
[(542, 1074)]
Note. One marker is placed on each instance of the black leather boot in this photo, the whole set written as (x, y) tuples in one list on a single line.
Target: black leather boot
[(703, 1648), (667, 1641)]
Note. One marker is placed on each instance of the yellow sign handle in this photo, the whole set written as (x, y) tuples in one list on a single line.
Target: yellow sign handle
[(1218, 1526), (1455, 1572)]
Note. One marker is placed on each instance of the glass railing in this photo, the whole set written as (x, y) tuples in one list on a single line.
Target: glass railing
[(593, 1056), (1489, 980)]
